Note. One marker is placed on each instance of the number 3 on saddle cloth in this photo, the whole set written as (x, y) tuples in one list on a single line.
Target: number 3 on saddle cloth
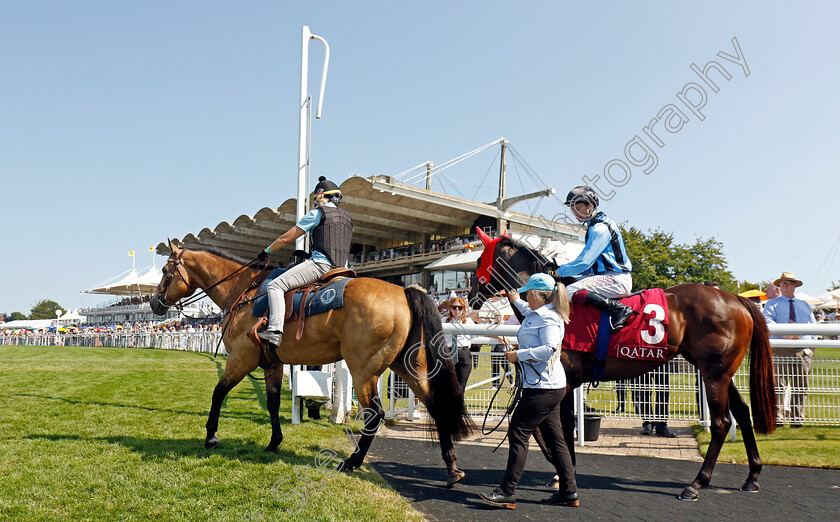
[(643, 338)]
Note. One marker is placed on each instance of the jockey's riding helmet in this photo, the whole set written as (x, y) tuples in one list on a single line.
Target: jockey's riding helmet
[(582, 194), (328, 189)]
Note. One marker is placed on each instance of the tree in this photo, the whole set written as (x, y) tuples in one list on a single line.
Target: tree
[(652, 257), (745, 285), (16, 316), (659, 262), (44, 309), (704, 261)]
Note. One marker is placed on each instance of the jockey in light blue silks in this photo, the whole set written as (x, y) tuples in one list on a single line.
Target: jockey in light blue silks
[(603, 265)]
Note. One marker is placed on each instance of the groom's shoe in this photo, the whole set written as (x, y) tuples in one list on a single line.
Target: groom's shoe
[(497, 498)]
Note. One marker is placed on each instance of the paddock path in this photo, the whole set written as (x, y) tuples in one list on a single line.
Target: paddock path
[(629, 483)]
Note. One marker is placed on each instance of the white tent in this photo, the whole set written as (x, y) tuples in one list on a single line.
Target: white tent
[(130, 283), (830, 298), (811, 300), (25, 324), (71, 317), (150, 277)]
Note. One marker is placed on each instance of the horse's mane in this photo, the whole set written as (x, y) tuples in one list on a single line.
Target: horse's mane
[(224, 254), (509, 241), (533, 259)]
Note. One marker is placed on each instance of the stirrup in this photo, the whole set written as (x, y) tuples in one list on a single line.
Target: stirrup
[(268, 338)]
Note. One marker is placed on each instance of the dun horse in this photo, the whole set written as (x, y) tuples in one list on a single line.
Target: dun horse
[(380, 326), (711, 329)]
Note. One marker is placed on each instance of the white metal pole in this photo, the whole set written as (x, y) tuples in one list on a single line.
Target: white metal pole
[(304, 136), (302, 193), (579, 398), (304, 141), (323, 74)]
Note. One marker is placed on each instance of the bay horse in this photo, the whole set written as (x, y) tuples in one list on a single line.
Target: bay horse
[(380, 326), (710, 328)]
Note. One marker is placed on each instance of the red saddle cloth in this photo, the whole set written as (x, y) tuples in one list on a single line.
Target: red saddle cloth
[(644, 336)]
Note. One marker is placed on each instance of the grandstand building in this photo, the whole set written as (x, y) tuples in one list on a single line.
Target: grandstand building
[(403, 234)]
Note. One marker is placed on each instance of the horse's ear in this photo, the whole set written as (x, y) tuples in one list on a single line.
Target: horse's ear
[(506, 234), (173, 248), (482, 235)]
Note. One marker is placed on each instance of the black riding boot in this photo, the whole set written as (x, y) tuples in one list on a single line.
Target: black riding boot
[(619, 313)]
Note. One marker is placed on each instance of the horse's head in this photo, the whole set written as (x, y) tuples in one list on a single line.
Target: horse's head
[(505, 264), (494, 272), (175, 283)]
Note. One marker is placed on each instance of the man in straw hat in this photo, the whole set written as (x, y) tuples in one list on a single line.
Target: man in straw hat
[(791, 365)]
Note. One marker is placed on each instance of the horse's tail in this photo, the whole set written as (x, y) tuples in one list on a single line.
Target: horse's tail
[(446, 398), (762, 383)]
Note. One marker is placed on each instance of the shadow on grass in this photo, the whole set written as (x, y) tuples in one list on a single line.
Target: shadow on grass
[(237, 449), (257, 383), (257, 418)]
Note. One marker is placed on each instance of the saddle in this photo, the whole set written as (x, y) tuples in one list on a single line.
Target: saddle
[(325, 294), (644, 337)]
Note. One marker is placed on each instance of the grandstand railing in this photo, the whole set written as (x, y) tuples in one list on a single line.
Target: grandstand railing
[(686, 396), (205, 342)]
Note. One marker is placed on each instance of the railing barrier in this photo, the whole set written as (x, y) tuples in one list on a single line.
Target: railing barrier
[(819, 390)]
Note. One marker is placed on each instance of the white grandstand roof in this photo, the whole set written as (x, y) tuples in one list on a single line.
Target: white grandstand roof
[(130, 283), (385, 213)]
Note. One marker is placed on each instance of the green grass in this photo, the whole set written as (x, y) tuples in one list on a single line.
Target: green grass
[(814, 447), (112, 433), (827, 353)]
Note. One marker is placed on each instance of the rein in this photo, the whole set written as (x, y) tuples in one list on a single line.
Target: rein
[(240, 301), (179, 305)]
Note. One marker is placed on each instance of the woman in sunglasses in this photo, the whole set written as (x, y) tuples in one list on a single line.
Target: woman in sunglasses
[(546, 312), (460, 344)]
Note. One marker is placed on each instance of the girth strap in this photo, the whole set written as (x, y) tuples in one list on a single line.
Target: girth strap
[(602, 345)]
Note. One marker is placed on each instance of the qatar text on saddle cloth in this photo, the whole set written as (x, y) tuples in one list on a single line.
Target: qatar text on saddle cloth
[(643, 338)]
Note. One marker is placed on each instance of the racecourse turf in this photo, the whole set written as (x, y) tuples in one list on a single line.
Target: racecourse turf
[(117, 434)]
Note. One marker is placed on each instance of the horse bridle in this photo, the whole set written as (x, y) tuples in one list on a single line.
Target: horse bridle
[(163, 287), (545, 265)]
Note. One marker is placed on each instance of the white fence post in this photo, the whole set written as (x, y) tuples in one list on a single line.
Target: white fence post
[(579, 405)]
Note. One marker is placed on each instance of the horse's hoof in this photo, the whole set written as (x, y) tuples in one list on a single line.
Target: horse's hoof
[(272, 446), (689, 494), (454, 478), (212, 443), (345, 467), (750, 486)]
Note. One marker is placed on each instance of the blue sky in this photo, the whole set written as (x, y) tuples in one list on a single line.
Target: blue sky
[(122, 123)]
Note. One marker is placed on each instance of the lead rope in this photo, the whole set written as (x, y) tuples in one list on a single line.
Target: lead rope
[(517, 394), (520, 377)]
